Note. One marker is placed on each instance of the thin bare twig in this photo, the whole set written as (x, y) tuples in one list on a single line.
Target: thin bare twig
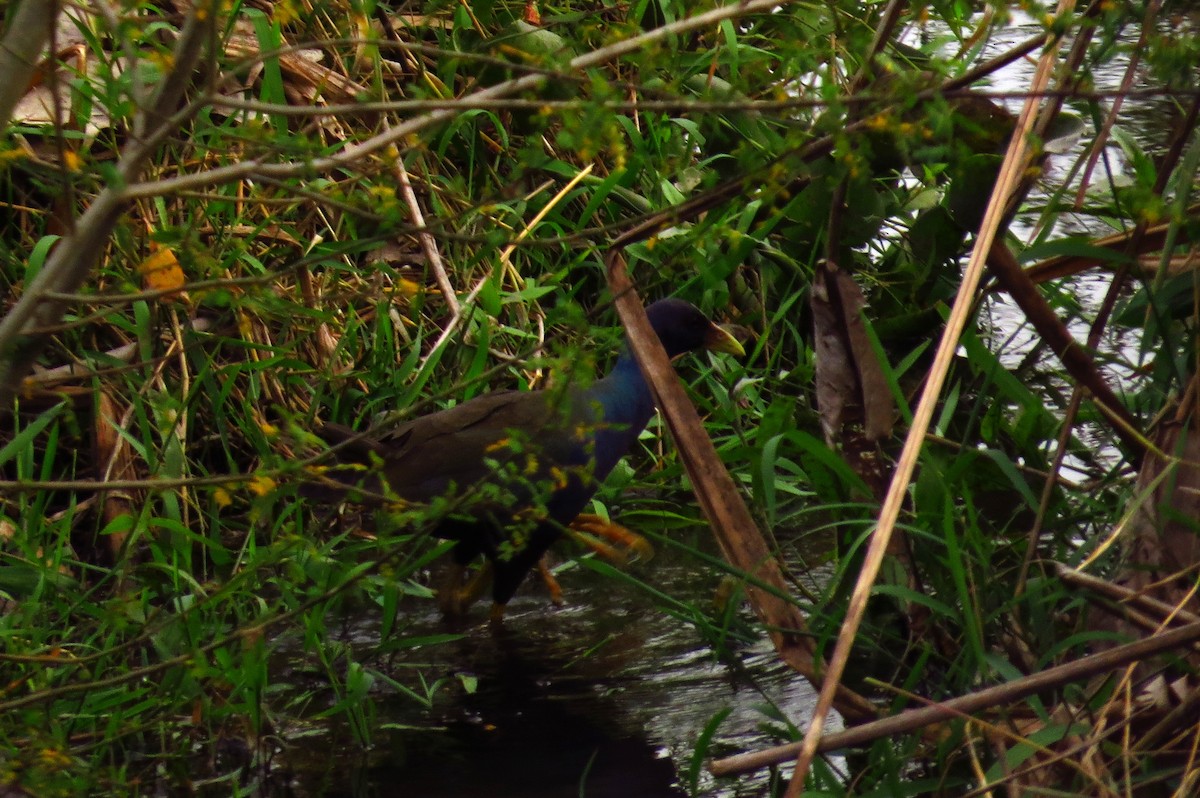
[(428, 243), (678, 105), (1131, 72), (1006, 693)]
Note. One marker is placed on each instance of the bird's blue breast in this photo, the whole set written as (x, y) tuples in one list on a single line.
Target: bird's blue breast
[(624, 405)]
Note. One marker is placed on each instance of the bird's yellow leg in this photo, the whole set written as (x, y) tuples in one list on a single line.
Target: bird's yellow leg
[(622, 543), (551, 582), (454, 597), (472, 590), (611, 541), (448, 589)]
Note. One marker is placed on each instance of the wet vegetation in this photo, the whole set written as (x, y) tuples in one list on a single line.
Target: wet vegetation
[(954, 477)]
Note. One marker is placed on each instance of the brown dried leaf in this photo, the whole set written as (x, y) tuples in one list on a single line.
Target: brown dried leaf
[(874, 392), (835, 371), (848, 372), (114, 461)]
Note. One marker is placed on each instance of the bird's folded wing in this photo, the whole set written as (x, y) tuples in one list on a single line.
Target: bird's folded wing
[(453, 449)]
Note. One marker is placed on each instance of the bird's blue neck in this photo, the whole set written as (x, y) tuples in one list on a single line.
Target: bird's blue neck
[(636, 403), (625, 400)]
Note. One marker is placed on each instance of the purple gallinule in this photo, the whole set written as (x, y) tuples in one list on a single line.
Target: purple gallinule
[(515, 467)]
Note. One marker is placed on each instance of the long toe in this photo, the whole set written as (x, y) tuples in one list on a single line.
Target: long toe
[(622, 543)]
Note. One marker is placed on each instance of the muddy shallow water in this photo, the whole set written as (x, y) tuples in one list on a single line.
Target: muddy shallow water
[(604, 696)]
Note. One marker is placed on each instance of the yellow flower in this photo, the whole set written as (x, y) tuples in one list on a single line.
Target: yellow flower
[(261, 485), (285, 11)]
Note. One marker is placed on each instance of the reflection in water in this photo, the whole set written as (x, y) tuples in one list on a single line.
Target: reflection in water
[(533, 728), (605, 696)]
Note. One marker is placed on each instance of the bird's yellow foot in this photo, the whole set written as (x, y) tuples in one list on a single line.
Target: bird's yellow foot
[(622, 544)]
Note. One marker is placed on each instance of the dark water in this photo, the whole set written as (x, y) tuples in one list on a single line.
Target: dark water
[(604, 696)]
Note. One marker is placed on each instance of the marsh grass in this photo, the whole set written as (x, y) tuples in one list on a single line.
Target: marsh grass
[(154, 555)]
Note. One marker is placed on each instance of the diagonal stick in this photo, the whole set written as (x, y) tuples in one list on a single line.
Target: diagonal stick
[(1010, 175)]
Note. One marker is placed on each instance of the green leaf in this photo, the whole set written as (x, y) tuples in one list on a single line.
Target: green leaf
[(23, 441), (700, 752)]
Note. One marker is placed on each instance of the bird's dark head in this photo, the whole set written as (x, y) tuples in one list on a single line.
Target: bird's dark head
[(683, 328)]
